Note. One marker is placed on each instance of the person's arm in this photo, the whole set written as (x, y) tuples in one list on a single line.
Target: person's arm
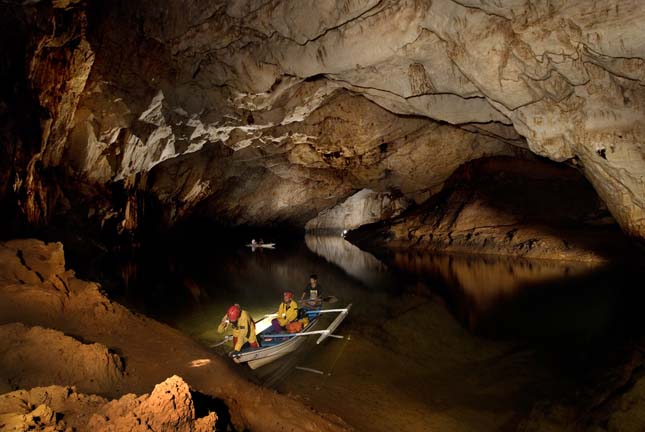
[(292, 312), (223, 324), (240, 343), (282, 315), (243, 324)]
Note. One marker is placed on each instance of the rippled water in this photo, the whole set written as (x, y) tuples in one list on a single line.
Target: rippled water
[(432, 341)]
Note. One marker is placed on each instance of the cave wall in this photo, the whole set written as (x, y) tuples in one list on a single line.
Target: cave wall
[(484, 208), (269, 112), (46, 62)]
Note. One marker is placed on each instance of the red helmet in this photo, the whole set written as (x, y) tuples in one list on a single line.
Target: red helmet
[(288, 295), (233, 313)]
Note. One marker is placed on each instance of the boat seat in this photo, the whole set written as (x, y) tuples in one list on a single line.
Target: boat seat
[(306, 311)]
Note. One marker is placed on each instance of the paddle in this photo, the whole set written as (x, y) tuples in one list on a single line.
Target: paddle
[(226, 339), (309, 302), (330, 299)]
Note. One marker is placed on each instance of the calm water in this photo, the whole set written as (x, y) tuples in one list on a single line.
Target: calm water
[(432, 341)]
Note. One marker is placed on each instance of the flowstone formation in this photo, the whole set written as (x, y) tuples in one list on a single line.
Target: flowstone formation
[(266, 113)]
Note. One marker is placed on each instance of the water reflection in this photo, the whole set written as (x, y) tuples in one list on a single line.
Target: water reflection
[(485, 280), (483, 288), (357, 263)]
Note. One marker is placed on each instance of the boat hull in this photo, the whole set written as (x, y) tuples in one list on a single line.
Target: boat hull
[(259, 357), (264, 245)]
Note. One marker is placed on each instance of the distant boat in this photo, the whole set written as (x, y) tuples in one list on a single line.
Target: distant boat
[(261, 245)]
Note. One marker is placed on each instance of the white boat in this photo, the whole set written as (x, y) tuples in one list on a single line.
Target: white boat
[(261, 245), (273, 346)]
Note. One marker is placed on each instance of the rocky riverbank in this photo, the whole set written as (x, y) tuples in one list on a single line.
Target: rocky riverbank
[(58, 330)]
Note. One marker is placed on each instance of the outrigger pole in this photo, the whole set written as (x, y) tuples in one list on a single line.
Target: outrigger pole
[(324, 334)]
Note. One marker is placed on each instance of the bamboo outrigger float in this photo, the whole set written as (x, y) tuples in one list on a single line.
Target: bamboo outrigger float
[(273, 346)]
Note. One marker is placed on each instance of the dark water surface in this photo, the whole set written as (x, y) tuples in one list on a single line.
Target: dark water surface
[(433, 342)]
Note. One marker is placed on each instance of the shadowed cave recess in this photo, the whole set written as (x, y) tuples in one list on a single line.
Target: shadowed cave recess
[(449, 144)]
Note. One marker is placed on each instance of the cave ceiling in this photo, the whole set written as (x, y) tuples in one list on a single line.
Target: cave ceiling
[(262, 112)]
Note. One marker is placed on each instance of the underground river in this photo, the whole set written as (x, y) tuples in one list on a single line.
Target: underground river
[(432, 341)]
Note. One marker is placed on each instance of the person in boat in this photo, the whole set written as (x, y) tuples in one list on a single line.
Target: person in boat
[(254, 243), (243, 328), (311, 295), (287, 312)]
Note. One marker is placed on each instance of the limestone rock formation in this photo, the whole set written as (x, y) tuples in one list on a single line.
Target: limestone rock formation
[(32, 262), (271, 112), (362, 208), (170, 407), (34, 356), (483, 209)]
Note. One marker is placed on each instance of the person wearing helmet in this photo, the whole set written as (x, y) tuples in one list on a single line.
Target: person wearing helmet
[(242, 326), (287, 312)]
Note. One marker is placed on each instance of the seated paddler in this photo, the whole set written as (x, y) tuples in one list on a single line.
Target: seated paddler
[(287, 312)]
